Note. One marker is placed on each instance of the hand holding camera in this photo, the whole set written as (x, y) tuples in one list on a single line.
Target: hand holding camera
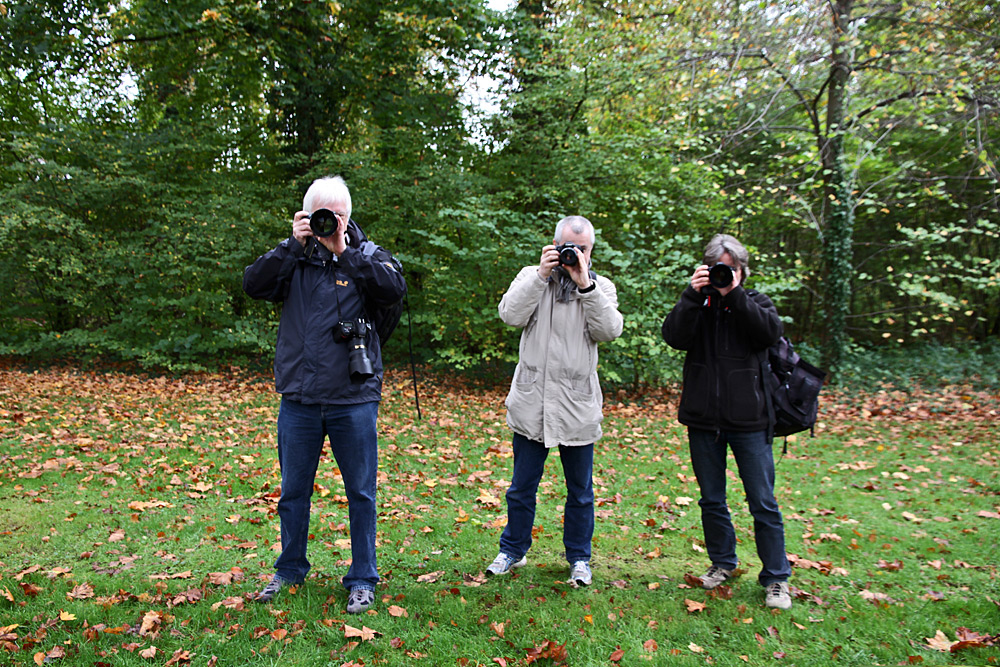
[(324, 225), (720, 278)]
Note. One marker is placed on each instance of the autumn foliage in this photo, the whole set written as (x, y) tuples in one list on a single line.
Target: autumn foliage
[(137, 520)]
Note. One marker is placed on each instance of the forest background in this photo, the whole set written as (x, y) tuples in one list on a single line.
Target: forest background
[(149, 151)]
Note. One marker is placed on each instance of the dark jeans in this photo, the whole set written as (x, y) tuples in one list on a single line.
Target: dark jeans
[(755, 461), (302, 431), (578, 523)]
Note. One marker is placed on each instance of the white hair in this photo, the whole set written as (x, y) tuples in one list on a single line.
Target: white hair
[(578, 224), (329, 190)]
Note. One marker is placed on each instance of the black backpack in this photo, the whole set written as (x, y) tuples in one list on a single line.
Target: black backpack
[(385, 317), (793, 386)]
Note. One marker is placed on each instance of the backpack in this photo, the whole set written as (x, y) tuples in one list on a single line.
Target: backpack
[(385, 317), (793, 386)]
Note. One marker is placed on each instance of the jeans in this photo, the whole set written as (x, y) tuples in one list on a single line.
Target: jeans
[(755, 461), (302, 431), (578, 524)]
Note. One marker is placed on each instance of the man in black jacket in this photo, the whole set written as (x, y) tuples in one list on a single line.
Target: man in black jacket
[(725, 329), (328, 370)]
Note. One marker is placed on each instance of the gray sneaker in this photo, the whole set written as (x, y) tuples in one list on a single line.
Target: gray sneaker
[(503, 564), (714, 577), (580, 575), (268, 592), (776, 595), (359, 600)]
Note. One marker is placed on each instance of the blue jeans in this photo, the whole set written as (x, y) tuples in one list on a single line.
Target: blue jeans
[(578, 523), (302, 431), (755, 461)]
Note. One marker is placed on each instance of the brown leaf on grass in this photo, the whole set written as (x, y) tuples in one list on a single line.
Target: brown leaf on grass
[(694, 606), (116, 535), (180, 657), (186, 574), (189, 596), (430, 577), (364, 634), (148, 653), (81, 592), (497, 628), (397, 611), (721, 592), (650, 645), (939, 642), (6, 594), (152, 621), (225, 578), (547, 650), (894, 566), (29, 589), (232, 602), (692, 581), (616, 655)]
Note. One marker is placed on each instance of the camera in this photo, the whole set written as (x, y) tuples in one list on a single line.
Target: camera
[(567, 254), (359, 366), (323, 222), (720, 276)]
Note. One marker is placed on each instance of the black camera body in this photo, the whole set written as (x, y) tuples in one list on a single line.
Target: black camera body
[(720, 276), (354, 333), (323, 222), (567, 254)]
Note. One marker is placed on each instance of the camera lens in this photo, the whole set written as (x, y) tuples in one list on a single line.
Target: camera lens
[(720, 276), (323, 222), (567, 254)]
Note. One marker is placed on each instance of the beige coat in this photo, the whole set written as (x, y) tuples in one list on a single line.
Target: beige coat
[(555, 396)]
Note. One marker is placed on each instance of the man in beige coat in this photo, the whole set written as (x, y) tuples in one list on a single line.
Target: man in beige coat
[(555, 398)]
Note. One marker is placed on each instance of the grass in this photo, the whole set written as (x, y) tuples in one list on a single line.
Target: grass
[(137, 519)]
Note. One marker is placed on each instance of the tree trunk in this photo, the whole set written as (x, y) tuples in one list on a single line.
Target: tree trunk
[(838, 205)]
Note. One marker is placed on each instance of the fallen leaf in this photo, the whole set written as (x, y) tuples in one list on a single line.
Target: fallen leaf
[(364, 634), (694, 606)]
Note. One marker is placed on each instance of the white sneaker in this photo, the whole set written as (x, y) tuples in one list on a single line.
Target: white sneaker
[(580, 575), (776, 595), (503, 564), (714, 577)]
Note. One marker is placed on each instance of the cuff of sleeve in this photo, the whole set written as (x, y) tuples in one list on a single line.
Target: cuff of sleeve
[(587, 290)]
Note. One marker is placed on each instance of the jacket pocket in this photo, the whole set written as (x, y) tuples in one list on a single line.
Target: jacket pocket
[(526, 377), (696, 393), (745, 402)]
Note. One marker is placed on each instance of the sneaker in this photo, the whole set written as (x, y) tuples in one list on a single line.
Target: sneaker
[(776, 595), (268, 592), (580, 575), (359, 600), (503, 564), (715, 576)]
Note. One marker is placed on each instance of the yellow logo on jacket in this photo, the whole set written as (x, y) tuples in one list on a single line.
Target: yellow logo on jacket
[(342, 283)]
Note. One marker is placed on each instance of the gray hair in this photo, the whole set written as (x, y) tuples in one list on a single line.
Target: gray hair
[(329, 189), (578, 224), (722, 244)]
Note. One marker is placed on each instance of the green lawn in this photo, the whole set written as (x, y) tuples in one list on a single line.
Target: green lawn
[(137, 519)]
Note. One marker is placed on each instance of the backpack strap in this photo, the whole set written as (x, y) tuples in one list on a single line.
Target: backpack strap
[(765, 376)]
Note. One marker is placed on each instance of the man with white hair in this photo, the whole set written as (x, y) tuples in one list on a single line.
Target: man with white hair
[(328, 370), (564, 309)]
